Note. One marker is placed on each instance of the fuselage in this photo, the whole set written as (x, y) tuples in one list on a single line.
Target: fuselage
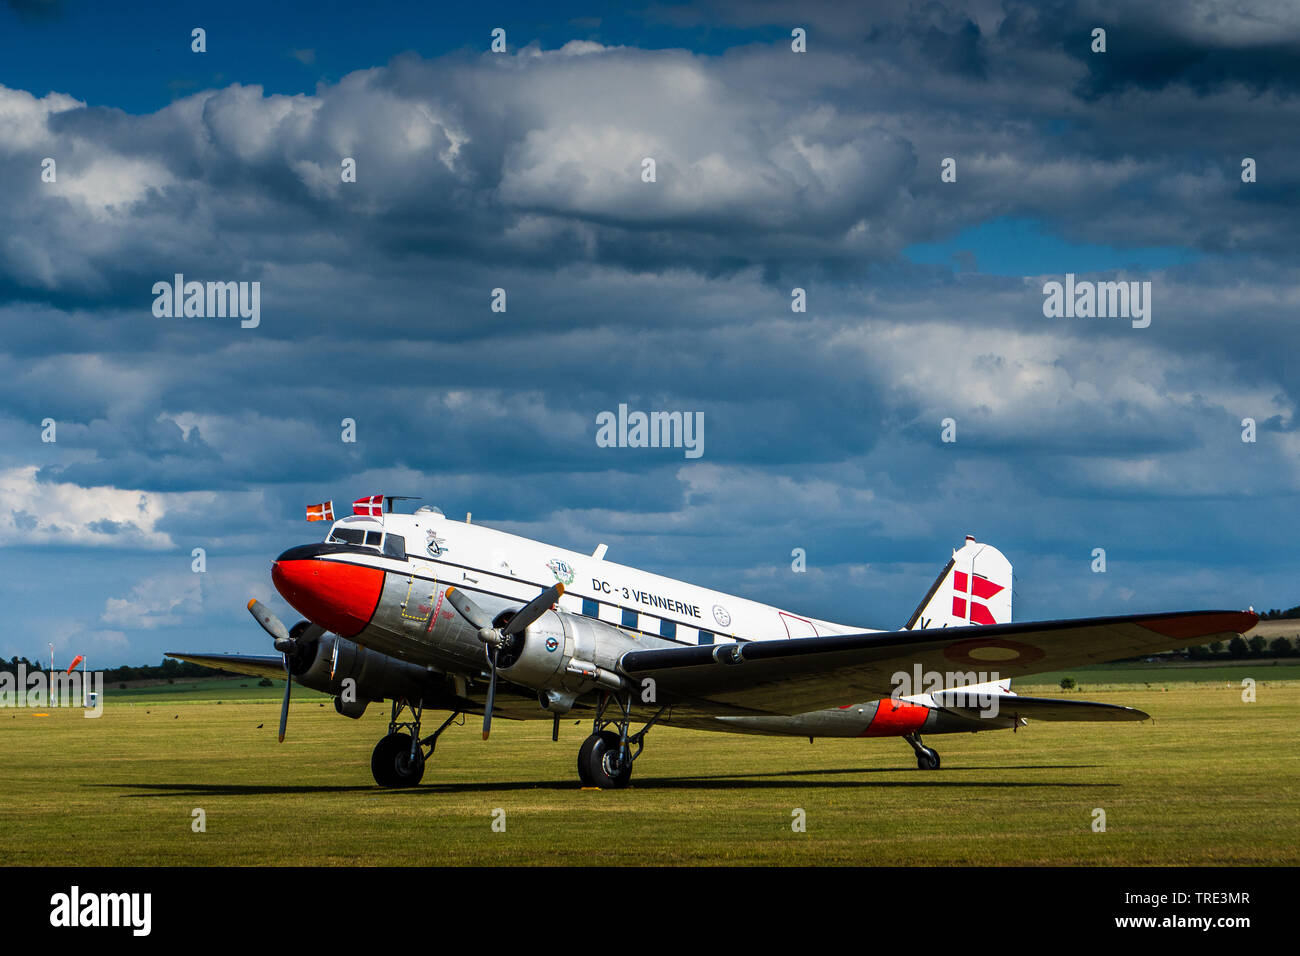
[(381, 582)]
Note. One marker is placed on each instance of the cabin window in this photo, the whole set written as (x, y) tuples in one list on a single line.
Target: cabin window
[(395, 546), (667, 628), (629, 618)]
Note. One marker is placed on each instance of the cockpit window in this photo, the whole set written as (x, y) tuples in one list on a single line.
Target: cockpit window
[(392, 545)]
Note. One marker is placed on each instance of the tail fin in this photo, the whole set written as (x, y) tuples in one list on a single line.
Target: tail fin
[(975, 588)]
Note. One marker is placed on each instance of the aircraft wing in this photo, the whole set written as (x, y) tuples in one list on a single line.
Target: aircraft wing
[(255, 665), (798, 675)]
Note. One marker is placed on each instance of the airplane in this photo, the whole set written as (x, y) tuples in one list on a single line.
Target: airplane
[(431, 613)]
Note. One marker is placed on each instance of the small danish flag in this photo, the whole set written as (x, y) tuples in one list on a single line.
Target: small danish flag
[(372, 506), (321, 512), (965, 586)]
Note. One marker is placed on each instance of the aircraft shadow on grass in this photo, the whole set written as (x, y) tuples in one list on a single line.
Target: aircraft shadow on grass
[(750, 781)]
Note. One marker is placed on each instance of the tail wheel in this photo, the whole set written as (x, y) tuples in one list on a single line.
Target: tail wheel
[(392, 764), (927, 759), (598, 764)]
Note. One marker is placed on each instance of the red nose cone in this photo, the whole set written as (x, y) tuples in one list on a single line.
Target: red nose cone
[(339, 597)]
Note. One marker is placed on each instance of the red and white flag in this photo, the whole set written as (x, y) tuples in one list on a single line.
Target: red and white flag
[(75, 661), (321, 512), (372, 506)]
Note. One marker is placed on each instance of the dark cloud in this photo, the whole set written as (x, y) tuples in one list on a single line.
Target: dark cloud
[(774, 170)]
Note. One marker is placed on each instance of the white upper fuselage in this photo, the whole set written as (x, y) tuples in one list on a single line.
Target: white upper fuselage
[(481, 559)]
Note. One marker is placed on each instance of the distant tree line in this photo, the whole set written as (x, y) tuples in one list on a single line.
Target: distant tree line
[(1276, 615), (168, 669), (1240, 647)]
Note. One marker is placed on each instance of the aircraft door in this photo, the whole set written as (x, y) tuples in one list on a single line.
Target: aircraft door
[(418, 607), (798, 626)]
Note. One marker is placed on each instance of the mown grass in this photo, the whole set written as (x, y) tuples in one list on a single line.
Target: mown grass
[(1211, 780)]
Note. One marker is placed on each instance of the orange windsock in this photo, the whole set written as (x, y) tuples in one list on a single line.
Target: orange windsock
[(75, 661)]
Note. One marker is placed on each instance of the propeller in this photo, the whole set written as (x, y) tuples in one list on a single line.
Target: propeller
[(287, 643), (496, 637)]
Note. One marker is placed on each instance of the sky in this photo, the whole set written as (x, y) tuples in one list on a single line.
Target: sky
[(523, 170)]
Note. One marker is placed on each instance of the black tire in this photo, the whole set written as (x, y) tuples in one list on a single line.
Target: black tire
[(927, 759), (391, 763), (584, 756), (600, 751)]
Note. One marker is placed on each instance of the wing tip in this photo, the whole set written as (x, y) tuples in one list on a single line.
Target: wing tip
[(1201, 623)]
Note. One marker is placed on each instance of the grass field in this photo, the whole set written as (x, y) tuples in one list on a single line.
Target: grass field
[(1211, 780)]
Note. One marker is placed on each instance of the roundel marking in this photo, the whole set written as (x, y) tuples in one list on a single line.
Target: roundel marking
[(552, 644), (978, 650)]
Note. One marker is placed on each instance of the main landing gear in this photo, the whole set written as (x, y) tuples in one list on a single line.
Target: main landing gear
[(398, 759), (926, 759), (605, 759)]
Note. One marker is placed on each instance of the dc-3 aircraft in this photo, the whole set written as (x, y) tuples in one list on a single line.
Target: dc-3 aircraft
[(431, 613)]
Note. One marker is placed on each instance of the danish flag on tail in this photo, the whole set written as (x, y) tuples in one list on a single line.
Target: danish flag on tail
[(975, 588), (371, 506), (968, 587)]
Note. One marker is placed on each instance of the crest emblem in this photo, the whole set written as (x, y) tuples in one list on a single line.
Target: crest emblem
[(721, 616), (562, 570), (435, 546), (552, 644)]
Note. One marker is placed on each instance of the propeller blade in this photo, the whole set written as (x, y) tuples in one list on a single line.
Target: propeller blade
[(334, 661), (270, 623), (284, 707), (534, 609), (470, 611), (491, 697)]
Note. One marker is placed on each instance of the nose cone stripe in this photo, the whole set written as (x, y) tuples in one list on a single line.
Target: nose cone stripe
[(339, 597)]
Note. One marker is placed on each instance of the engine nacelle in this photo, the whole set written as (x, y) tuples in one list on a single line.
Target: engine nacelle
[(375, 676), (563, 656), (354, 709)]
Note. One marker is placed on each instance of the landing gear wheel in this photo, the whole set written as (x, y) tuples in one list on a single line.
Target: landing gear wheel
[(927, 759), (584, 758), (392, 765), (597, 762)]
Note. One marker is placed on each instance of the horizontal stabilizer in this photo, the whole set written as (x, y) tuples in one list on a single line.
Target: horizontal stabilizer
[(1037, 708)]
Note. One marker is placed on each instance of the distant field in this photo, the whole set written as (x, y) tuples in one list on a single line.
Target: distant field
[(1211, 780), (1285, 627), (207, 688), (1120, 676)]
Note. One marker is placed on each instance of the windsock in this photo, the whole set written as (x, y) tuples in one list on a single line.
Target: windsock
[(75, 661)]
